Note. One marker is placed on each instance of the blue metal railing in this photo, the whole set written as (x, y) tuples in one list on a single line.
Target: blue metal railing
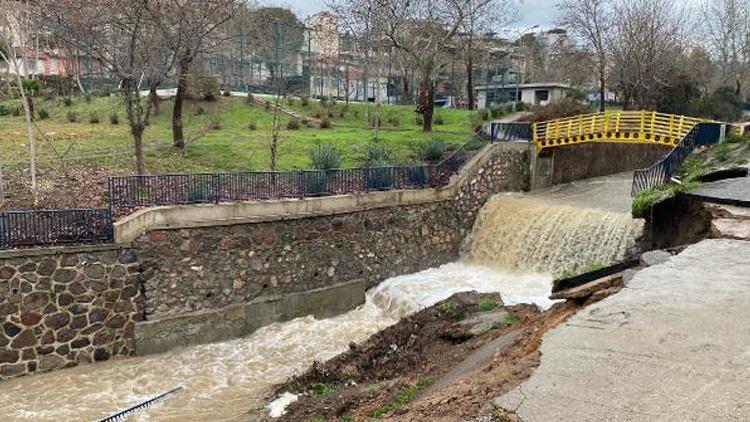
[(510, 131), (54, 227)]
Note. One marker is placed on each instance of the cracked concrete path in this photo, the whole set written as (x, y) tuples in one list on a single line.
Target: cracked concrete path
[(673, 346)]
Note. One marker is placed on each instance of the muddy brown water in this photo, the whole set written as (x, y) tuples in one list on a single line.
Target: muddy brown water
[(514, 241)]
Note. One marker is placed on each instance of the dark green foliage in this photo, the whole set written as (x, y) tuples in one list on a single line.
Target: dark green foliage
[(114, 119), (305, 101), (252, 126), (417, 175), (325, 124), (724, 104), (316, 182), (439, 120), (43, 114), (201, 86), (380, 178), (378, 155), (325, 157), (16, 111), (94, 119), (71, 116), (199, 111), (433, 151), (292, 125), (67, 101), (250, 99), (559, 109), (226, 93)]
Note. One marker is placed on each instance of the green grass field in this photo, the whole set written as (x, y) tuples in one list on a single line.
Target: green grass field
[(219, 138)]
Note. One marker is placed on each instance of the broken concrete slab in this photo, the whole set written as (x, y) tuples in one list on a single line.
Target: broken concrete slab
[(589, 289), (655, 258), (731, 229)]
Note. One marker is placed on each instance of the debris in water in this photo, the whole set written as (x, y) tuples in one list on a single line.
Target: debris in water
[(125, 414), (277, 408)]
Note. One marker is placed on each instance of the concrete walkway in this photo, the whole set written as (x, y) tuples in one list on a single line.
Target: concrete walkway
[(673, 346), (730, 191)]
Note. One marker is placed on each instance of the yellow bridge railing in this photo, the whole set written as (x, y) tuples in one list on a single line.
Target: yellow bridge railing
[(614, 126)]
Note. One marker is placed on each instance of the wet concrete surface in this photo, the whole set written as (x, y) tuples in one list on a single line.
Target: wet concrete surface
[(608, 193), (730, 191), (672, 346)]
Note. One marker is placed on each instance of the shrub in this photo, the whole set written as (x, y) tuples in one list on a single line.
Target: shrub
[(250, 99), (379, 178), (67, 101), (16, 111), (417, 175), (439, 120), (316, 182), (324, 101), (114, 119), (290, 101), (432, 151), (356, 114), (560, 109), (199, 111), (201, 86), (331, 115), (71, 116), (394, 121), (4, 110), (226, 93), (305, 101), (419, 121), (87, 98), (723, 104), (43, 114), (292, 125), (325, 124), (325, 157), (94, 119), (267, 105), (305, 121), (522, 106), (498, 112), (378, 155), (252, 126)]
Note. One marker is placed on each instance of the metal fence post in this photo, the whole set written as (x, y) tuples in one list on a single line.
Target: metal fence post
[(216, 184)]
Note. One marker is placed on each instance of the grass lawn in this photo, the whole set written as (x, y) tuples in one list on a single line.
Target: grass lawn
[(218, 135)]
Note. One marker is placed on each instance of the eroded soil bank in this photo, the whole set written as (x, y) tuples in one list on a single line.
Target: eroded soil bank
[(444, 363)]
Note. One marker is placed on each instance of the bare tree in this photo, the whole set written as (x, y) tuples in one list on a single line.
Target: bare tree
[(482, 18), (117, 34), (726, 25), (648, 38), (16, 18), (591, 21), (188, 26), (421, 29)]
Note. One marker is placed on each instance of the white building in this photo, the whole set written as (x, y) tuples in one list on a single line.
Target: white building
[(536, 94)]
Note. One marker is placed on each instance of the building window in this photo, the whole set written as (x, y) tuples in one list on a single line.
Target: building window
[(542, 96)]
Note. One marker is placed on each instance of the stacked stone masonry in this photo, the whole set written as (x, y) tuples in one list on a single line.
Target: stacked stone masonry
[(201, 269), (64, 306)]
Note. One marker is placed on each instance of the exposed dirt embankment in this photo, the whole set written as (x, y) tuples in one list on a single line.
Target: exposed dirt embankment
[(443, 363)]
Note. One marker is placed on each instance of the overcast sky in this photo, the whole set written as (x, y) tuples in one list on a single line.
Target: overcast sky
[(532, 12)]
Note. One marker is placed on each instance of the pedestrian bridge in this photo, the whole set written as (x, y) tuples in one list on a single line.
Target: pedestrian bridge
[(645, 127)]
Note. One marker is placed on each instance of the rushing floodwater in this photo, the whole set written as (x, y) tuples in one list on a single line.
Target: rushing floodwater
[(222, 381)]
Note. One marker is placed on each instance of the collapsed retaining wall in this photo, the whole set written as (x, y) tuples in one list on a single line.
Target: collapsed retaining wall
[(64, 306)]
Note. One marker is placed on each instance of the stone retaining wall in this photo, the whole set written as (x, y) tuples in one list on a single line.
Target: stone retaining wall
[(204, 268), (63, 306)]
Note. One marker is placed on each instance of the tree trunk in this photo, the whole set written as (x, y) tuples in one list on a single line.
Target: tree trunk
[(137, 132), (154, 98), (178, 138), (470, 82), (602, 91), (30, 104), (405, 89), (427, 103)]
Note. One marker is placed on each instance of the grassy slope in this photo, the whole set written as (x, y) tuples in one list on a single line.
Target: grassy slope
[(732, 152), (232, 147)]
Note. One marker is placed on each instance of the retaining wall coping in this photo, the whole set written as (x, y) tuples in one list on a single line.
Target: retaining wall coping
[(57, 250), (174, 217)]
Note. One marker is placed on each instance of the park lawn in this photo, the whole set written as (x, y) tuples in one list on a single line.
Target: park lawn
[(219, 138)]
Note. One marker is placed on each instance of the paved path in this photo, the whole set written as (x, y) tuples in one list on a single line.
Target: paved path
[(609, 193), (673, 346), (730, 191)]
